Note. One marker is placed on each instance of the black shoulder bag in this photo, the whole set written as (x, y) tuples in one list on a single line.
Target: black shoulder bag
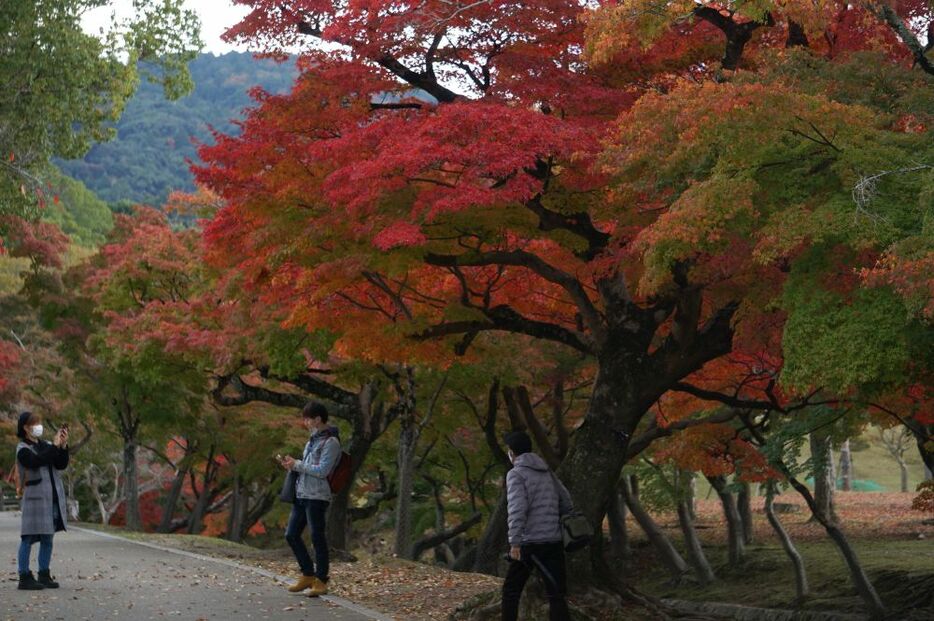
[(288, 487), (576, 530)]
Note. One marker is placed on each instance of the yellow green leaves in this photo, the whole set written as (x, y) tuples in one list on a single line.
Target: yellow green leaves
[(759, 162)]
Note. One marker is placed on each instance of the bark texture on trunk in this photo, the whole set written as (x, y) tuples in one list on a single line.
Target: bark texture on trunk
[(207, 494), (824, 478), (676, 565), (492, 544), (858, 576), (744, 504), (131, 484), (695, 551), (591, 469), (171, 501), (846, 467), (405, 461), (801, 580), (734, 522), (619, 533), (239, 499), (690, 491)]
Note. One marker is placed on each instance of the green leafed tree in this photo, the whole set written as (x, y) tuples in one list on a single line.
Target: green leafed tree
[(63, 88)]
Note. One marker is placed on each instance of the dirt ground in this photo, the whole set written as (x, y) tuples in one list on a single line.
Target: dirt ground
[(892, 539)]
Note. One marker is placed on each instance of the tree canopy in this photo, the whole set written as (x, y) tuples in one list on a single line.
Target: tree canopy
[(64, 88)]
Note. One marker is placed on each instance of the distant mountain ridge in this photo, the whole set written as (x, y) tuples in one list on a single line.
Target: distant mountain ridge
[(147, 159)]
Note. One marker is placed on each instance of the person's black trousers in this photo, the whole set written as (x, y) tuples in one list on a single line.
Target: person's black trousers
[(547, 559), (309, 512)]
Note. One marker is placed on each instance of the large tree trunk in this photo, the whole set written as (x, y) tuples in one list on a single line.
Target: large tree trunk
[(239, 499), (492, 544), (591, 469), (131, 483), (338, 522), (824, 479), (264, 500), (690, 492), (629, 486), (744, 504), (370, 420), (734, 523), (171, 501), (694, 550), (923, 435), (196, 520), (858, 576), (903, 468), (405, 460), (846, 467), (619, 534), (801, 579)]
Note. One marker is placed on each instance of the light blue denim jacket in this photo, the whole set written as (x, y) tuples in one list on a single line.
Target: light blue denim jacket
[(322, 452)]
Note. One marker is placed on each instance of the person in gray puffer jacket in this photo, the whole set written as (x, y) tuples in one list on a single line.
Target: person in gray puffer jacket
[(535, 500)]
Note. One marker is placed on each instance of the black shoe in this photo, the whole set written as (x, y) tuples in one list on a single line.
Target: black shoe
[(28, 583), (46, 580)]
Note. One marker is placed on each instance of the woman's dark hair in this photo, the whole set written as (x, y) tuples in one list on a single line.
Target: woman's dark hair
[(315, 409), (25, 419)]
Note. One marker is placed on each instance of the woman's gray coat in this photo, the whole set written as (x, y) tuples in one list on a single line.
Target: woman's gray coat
[(39, 474)]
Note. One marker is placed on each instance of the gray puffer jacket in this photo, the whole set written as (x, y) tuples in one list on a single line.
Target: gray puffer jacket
[(536, 501), (321, 455)]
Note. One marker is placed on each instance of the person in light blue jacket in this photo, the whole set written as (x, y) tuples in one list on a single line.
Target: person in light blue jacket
[(312, 497)]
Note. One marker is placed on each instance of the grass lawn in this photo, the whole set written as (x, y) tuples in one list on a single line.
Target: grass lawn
[(895, 548)]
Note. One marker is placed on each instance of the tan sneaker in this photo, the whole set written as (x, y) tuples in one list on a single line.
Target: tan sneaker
[(319, 588), (304, 582)]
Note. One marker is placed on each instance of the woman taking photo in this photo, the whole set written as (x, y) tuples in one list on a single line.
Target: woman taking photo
[(43, 502)]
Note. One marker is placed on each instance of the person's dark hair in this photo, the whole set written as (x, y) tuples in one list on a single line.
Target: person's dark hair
[(26, 419), (519, 442), (315, 409)]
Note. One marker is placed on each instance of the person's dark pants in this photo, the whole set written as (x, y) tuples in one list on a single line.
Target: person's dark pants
[(305, 512), (548, 560)]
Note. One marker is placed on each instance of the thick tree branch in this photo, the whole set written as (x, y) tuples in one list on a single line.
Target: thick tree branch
[(427, 543), (732, 401), (737, 34), (315, 386), (579, 224), (506, 319), (425, 81), (713, 340), (245, 393), (887, 14), (520, 258), (641, 442)]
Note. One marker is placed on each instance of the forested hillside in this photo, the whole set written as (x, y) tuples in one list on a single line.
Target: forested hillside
[(155, 136)]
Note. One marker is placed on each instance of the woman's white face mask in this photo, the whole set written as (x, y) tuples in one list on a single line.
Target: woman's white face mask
[(37, 431)]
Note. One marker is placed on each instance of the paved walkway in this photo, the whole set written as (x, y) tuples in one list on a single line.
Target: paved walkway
[(112, 578)]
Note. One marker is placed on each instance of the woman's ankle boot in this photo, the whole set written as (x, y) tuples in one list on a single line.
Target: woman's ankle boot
[(45, 579), (28, 583)]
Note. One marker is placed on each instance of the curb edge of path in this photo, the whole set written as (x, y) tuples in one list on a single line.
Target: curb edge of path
[(333, 599)]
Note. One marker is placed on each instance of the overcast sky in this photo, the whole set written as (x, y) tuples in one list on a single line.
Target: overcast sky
[(216, 17)]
